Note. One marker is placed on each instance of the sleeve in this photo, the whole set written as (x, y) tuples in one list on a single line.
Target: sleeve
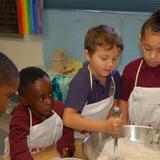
[(127, 83), (19, 129), (67, 139), (79, 90), (117, 80)]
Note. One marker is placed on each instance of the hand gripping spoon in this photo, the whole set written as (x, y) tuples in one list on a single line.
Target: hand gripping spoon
[(116, 154)]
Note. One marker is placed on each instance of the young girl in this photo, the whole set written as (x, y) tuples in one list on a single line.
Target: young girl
[(36, 123), (141, 77), (95, 89), (9, 81)]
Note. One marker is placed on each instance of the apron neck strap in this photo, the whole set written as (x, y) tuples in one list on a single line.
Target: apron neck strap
[(114, 85), (30, 116), (137, 74), (90, 75)]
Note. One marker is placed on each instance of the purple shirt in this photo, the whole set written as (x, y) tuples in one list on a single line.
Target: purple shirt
[(148, 77), (80, 91)]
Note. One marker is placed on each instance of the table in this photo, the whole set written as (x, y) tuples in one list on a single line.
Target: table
[(51, 152)]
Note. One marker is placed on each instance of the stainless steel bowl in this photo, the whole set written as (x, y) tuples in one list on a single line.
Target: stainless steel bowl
[(93, 144)]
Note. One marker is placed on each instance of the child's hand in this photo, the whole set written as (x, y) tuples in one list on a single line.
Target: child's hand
[(113, 125), (66, 153)]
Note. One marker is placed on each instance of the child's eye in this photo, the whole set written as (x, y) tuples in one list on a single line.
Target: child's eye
[(41, 99), (104, 58), (147, 48)]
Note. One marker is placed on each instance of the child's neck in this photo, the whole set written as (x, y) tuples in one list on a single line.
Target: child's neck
[(42, 117), (101, 79)]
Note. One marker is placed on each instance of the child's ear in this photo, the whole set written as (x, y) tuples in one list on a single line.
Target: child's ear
[(87, 55), (23, 100)]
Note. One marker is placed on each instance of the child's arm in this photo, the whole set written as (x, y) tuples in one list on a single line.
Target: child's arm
[(124, 109), (76, 121), (66, 143), (19, 129)]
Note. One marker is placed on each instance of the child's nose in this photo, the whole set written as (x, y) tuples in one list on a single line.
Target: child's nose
[(110, 62), (153, 55)]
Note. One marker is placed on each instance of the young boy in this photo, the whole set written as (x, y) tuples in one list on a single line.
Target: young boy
[(95, 89), (141, 77), (9, 81), (36, 122)]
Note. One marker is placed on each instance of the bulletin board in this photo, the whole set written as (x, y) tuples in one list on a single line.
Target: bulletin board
[(9, 25)]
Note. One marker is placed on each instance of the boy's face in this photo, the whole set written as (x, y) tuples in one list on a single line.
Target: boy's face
[(38, 97), (5, 93), (103, 61), (150, 45)]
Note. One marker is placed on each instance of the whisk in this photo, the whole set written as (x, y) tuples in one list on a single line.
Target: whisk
[(116, 154)]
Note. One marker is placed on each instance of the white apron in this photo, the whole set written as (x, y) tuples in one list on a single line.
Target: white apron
[(144, 105), (98, 110), (42, 135)]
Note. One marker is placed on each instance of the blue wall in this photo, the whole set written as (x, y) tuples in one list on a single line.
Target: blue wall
[(65, 29)]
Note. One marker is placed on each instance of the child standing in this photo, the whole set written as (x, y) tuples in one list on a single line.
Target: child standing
[(9, 81), (95, 89), (36, 122), (141, 77)]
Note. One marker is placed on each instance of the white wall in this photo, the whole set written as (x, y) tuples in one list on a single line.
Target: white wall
[(25, 51)]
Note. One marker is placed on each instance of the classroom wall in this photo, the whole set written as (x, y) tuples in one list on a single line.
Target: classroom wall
[(23, 51), (65, 29)]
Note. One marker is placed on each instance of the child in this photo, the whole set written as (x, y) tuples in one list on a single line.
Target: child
[(95, 89), (9, 81), (36, 123), (141, 77)]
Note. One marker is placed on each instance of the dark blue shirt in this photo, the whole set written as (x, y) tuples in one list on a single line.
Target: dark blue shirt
[(80, 92)]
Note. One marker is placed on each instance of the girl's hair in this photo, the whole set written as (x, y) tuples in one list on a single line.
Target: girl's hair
[(102, 35), (152, 23), (28, 76), (8, 70)]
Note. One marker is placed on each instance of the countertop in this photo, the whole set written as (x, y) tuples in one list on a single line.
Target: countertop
[(51, 152)]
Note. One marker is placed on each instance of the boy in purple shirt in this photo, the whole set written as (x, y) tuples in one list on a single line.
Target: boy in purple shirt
[(95, 89), (36, 122), (141, 78)]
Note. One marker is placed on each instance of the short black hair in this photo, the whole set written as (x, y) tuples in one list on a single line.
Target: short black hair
[(28, 76), (8, 70)]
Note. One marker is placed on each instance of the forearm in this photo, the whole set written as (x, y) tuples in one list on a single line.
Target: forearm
[(124, 109), (18, 140), (66, 141), (77, 122), (19, 151)]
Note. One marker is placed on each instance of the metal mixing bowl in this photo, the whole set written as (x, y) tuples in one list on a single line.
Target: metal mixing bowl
[(94, 143)]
